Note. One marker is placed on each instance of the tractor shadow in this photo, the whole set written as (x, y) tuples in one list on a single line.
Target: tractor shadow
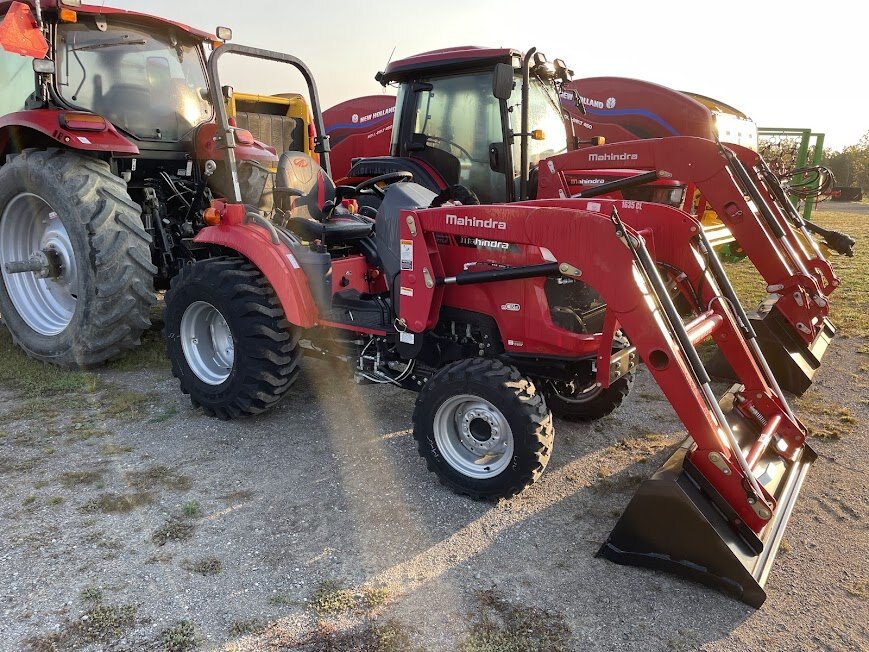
[(361, 511)]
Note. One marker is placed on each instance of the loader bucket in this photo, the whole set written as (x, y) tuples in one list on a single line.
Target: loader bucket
[(678, 523), (793, 362)]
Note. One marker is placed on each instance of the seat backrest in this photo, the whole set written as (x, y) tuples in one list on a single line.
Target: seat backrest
[(302, 174), (399, 196), (446, 163)]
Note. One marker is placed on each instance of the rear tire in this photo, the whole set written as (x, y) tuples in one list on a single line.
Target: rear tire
[(74, 207), (483, 428), (227, 338)]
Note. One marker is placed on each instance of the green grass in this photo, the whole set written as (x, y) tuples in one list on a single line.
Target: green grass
[(281, 599), (180, 637), (849, 304), (176, 528), (37, 378), (126, 404), (204, 566), (245, 627), (825, 421), (151, 354), (503, 627), (112, 503), (92, 594), (158, 475), (117, 449), (76, 478), (370, 636), (98, 628), (331, 597)]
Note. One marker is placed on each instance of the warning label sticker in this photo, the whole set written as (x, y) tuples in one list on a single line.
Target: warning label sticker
[(407, 255), (406, 292)]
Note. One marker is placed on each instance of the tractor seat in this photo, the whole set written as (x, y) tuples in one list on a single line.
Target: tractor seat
[(307, 194), (338, 229)]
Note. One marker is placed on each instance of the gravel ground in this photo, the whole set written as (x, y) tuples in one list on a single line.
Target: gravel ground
[(131, 521), (316, 527)]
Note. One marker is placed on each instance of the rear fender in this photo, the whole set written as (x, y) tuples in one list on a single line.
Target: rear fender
[(23, 126), (275, 261)]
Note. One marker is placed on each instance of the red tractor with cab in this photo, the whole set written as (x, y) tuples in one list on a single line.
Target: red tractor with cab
[(108, 158)]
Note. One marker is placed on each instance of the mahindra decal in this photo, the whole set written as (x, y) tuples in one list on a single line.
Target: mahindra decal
[(481, 243), (488, 223), (613, 157)]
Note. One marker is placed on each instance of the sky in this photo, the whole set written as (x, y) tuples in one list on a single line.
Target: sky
[(785, 63)]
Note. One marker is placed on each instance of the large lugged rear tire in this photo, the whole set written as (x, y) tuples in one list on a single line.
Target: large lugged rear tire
[(483, 428), (97, 305), (227, 338)]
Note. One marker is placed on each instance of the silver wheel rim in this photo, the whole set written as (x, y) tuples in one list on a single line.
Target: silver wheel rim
[(29, 225), (473, 436), (207, 343), (567, 391)]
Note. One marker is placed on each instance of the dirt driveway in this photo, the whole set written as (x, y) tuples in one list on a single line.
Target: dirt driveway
[(131, 521)]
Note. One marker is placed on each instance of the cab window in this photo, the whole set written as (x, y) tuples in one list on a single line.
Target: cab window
[(16, 80)]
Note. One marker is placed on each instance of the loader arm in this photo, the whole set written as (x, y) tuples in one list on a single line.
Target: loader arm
[(792, 321), (750, 471), (801, 281)]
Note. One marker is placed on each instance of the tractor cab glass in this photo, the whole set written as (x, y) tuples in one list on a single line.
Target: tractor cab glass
[(150, 85), (16, 80), (456, 118), (544, 114)]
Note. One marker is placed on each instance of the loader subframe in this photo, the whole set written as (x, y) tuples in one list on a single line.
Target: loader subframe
[(747, 467)]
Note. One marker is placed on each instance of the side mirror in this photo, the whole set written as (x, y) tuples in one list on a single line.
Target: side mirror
[(224, 33), (43, 66), (497, 159), (502, 81)]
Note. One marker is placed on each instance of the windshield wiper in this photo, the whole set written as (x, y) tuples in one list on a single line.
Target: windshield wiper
[(109, 44), (552, 101)]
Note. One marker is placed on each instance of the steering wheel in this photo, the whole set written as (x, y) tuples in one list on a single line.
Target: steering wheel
[(389, 178), (450, 143)]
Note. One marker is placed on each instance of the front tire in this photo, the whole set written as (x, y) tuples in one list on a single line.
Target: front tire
[(227, 338), (483, 428), (583, 399), (95, 303)]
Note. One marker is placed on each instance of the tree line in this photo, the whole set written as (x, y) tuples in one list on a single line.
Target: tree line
[(851, 165)]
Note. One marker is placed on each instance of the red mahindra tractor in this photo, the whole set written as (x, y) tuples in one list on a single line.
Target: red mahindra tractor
[(460, 304), (457, 119), (108, 159)]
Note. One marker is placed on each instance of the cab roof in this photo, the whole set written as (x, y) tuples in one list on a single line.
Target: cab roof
[(445, 60), (53, 5)]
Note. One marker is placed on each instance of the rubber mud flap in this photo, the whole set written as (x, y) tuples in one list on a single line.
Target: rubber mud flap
[(675, 524), (793, 362)]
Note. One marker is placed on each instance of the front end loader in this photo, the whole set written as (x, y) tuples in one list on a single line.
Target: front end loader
[(451, 301), (792, 321)]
